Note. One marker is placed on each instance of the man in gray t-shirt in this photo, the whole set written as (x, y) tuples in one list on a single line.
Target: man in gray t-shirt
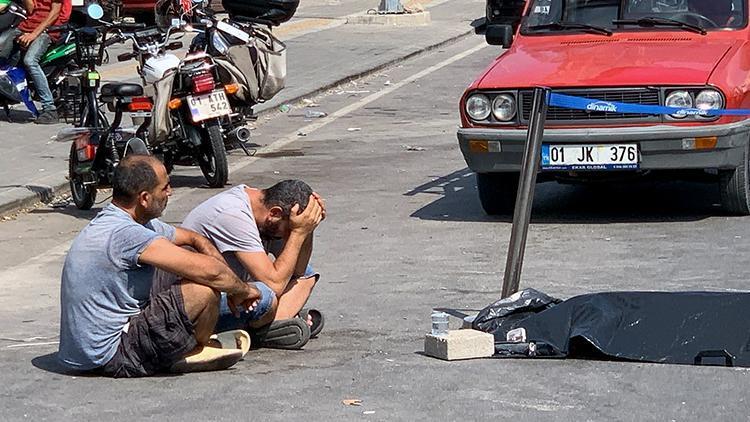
[(110, 322), (245, 225)]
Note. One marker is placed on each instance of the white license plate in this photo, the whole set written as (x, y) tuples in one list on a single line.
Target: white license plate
[(214, 104), (590, 157)]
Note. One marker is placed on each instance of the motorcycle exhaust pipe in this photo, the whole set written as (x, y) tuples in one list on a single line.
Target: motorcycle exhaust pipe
[(239, 134)]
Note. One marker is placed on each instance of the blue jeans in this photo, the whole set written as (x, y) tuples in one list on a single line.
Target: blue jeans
[(227, 321), (31, 60)]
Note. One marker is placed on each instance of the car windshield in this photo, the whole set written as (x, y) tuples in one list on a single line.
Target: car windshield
[(546, 16)]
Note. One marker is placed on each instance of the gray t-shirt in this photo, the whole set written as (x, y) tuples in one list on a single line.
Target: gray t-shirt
[(103, 285), (227, 220)]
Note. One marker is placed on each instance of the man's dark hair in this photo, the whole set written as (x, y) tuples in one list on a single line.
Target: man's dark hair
[(287, 193), (133, 175)]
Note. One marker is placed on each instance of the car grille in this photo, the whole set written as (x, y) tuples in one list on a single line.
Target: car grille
[(622, 95)]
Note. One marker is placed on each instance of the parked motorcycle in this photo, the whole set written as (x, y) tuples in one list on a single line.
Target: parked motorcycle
[(190, 104), (247, 54), (57, 63), (99, 145)]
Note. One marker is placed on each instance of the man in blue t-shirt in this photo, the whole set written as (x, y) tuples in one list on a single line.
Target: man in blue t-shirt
[(111, 321)]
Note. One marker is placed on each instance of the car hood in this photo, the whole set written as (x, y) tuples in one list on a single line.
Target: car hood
[(607, 61)]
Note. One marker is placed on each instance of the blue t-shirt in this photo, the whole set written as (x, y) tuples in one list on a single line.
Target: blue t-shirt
[(103, 285)]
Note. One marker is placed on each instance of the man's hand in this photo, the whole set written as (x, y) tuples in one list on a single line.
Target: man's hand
[(247, 298), (322, 203), (26, 39), (304, 223)]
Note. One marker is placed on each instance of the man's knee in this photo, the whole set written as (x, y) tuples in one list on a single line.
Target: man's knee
[(196, 295), (29, 60)]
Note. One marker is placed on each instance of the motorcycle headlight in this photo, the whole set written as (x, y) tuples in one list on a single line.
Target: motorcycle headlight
[(504, 107), (220, 44), (709, 99), (680, 99), (478, 107)]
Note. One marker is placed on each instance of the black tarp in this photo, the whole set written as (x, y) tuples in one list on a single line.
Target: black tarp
[(665, 327)]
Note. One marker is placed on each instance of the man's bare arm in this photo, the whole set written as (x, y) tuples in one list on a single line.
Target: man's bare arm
[(202, 269), (29, 6), (275, 274), (186, 237)]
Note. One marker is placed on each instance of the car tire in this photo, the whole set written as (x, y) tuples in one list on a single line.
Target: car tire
[(735, 190), (497, 192)]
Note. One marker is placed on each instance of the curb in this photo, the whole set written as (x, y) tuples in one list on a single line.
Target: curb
[(31, 194)]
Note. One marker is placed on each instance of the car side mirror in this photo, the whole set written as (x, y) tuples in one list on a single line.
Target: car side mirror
[(499, 35)]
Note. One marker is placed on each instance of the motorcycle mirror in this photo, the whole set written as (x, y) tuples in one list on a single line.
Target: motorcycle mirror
[(94, 11)]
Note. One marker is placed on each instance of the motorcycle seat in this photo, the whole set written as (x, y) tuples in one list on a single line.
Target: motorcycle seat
[(112, 91)]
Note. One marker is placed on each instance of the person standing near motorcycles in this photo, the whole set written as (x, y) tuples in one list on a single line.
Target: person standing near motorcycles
[(31, 34)]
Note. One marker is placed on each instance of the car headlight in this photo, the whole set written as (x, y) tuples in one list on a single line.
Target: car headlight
[(681, 99), (504, 107), (478, 107), (709, 99)]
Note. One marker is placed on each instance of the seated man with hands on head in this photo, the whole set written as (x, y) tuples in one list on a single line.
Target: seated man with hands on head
[(247, 225), (112, 320)]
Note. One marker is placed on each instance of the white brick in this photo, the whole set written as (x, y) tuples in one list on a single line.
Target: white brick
[(460, 344)]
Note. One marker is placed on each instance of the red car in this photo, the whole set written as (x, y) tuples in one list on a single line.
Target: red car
[(678, 53)]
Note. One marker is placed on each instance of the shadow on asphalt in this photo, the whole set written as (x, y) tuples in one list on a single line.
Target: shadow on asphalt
[(456, 199), (50, 363), (17, 116)]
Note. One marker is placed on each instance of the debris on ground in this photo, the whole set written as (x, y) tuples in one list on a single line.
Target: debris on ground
[(354, 129), (309, 103), (387, 83), (413, 148), (312, 114), (284, 108), (301, 134), (351, 402)]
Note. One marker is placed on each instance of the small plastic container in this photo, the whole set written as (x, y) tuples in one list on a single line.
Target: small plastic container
[(439, 323)]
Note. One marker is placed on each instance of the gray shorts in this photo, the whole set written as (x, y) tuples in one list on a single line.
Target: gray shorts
[(155, 339)]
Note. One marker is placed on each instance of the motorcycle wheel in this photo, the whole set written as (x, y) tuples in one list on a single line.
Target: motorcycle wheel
[(212, 158), (83, 195)]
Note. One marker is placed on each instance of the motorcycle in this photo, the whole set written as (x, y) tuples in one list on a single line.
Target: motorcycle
[(99, 145), (57, 63), (190, 103), (247, 54)]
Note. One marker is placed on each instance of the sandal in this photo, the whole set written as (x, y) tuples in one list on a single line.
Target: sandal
[(290, 334), (318, 321)]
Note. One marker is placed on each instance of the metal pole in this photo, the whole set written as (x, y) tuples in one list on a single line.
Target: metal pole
[(525, 195)]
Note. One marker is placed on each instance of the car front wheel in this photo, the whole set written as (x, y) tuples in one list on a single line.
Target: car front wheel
[(497, 192), (735, 190)]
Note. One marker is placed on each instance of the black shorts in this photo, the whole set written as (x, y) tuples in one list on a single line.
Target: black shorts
[(157, 338)]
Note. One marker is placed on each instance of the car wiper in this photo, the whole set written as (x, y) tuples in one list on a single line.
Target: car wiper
[(571, 25), (651, 21)]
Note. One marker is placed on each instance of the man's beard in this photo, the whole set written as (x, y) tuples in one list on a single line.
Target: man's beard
[(270, 230), (156, 209)]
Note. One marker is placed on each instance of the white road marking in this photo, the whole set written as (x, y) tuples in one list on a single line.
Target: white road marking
[(46, 343)]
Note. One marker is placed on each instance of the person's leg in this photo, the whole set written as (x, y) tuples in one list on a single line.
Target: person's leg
[(34, 54), (294, 297), (7, 42), (202, 307)]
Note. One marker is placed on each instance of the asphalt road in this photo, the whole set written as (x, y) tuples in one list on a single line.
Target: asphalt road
[(405, 233)]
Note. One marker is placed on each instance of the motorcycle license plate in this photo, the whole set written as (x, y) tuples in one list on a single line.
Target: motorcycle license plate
[(214, 104)]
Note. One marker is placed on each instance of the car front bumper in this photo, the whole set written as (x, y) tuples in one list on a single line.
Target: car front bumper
[(662, 147)]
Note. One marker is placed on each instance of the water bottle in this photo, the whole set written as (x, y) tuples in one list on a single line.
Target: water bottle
[(439, 323)]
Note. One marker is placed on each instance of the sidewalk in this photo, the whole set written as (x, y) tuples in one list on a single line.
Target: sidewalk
[(33, 167)]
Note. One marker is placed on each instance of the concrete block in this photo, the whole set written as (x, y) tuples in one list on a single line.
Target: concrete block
[(392, 19), (460, 344)]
